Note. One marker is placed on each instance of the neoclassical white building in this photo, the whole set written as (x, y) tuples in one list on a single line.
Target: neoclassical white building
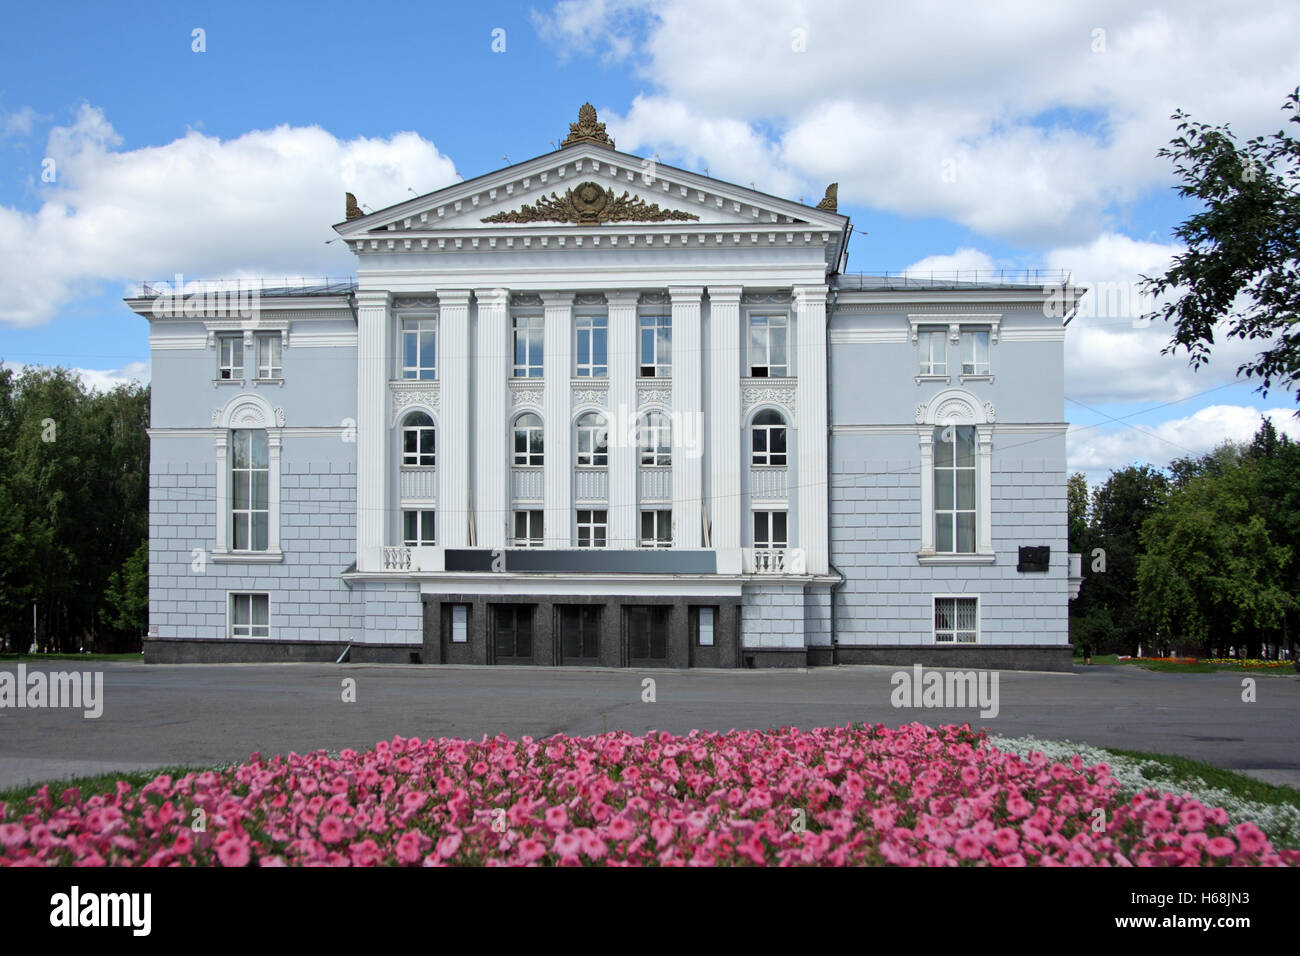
[(594, 410)]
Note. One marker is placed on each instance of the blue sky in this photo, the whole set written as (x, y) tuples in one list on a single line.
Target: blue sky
[(234, 160)]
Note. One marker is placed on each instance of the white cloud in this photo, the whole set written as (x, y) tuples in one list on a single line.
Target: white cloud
[(1097, 451), (261, 204), (1044, 134), (17, 123), (963, 260), (103, 380)]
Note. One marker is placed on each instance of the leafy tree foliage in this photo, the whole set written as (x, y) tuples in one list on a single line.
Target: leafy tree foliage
[(1243, 247), (74, 480)]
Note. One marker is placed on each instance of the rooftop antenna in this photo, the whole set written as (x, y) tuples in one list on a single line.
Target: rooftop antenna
[(552, 142), (411, 191)]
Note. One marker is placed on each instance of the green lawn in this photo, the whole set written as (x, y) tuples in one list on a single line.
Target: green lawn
[(38, 658), (100, 783), (1180, 771)]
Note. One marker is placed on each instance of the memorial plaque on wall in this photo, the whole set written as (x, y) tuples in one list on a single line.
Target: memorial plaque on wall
[(1034, 559)]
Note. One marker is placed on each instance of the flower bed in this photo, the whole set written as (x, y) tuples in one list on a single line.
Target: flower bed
[(913, 795)]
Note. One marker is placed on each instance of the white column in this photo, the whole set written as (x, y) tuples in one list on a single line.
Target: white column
[(374, 318), (492, 469), (623, 491), (724, 423), (984, 529), (926, 440), (453, 417), (273, 443), (688, 414), (223, 492), (557, 352), (810, 396)]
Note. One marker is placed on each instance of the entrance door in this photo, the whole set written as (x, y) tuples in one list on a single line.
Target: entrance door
[(647, 635), (580, 634), (512, 633)]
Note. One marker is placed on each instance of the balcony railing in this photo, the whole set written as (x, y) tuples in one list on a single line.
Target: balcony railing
[(397, 559), (766, 560), (419, 484)]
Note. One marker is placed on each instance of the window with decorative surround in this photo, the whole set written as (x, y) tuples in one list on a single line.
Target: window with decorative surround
[(656, 346), (420, 349), (956, 445), (247, 451), (591, 346), (769, 346)]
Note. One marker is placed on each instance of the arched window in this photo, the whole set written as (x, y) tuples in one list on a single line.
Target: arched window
[(528, 439), (768, 439), (417, 440), (593, 440), (655, 439)]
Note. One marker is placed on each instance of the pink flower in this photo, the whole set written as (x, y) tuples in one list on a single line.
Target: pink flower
[(233, 852), (556, 817), (1220, 846), (12, 835), (530, 850), (408, 847), (567, 844), (331, 829), (448, 846)]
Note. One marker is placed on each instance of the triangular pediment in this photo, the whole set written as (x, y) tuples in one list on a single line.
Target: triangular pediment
[(589, 186)]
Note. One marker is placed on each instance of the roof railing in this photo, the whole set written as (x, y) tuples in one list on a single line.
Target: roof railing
[(263, 285)]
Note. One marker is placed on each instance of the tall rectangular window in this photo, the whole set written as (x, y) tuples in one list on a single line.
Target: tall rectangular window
[(769, 346), (657, 528), (975, 352), (268, 357), (956, 620), (528, 346), (770, 529), (230, 357), (933, 346), (418, 529), (249, 615), (656, 346), (591, 346), (420, 348), (250, 470), (704, 626), (529, 529), (460, 623), (954, 489), (593, 528)]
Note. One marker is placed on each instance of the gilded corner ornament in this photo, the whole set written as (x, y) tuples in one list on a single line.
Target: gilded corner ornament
[(587, 129), (589, 204), (353, 210), (831, 200)]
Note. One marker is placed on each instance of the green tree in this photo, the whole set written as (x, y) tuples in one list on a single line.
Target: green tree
[(1242, 246), (126, 597), (1210, 574), (1107, 614)]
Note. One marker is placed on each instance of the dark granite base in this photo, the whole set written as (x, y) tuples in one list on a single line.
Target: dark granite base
[(194, 651), (987, 656)]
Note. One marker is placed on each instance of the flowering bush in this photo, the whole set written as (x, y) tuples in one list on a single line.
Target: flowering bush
[(1245, 662), (910, 796)]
